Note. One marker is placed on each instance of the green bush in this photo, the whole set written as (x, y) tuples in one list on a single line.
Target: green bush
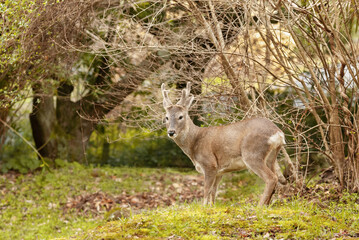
[(135, 148), (17, 155)]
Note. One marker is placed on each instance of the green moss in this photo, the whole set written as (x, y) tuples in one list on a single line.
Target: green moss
[(225, 222)]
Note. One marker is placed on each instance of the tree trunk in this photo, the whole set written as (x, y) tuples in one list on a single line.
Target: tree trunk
[(3, 116), (335, 131), (42, 120), (77, 121), (73, 122), (73, 131)]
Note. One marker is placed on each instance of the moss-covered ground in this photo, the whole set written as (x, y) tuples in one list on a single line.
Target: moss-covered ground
[(76, 202)]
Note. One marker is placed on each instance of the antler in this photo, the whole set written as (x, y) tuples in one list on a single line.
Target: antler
[(166, 100), (187, 97)]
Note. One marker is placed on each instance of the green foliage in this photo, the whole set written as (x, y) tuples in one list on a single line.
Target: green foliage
[(14, 20), (15, 153), (135, 147)]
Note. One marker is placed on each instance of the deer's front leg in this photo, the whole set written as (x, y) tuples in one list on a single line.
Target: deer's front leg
[(209, 180)]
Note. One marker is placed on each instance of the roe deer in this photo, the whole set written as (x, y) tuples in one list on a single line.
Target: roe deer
[(252, 144)]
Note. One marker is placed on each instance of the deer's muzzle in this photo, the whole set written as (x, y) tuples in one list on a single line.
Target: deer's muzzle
[(171, 133)]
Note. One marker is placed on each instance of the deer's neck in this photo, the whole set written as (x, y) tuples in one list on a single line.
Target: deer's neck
[(187, 138)]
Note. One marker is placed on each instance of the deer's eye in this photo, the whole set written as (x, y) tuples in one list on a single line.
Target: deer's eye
[(180, 117), (166, 118)]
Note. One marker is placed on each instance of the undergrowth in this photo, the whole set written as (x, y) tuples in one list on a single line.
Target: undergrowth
[(32, 206)]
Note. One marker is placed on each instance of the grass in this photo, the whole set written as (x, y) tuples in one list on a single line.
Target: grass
[(32, 207), (295, 220)]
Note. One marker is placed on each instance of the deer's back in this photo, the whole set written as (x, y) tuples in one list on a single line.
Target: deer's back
[(229, 141)]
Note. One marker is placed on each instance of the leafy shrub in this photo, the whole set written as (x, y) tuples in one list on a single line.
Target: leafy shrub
[(15, 153), (135, 148)]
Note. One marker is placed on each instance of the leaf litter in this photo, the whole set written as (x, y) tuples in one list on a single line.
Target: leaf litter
[(163, 190)]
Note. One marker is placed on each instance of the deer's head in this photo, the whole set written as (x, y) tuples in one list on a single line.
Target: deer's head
[(177, 118)]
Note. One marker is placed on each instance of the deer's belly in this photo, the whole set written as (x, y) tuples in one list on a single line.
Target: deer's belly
[(235, 164)]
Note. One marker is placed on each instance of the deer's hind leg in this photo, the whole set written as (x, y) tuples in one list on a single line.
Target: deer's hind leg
[(257, 163), (272, 163), (209, 181), (215, 188), (209, 166)]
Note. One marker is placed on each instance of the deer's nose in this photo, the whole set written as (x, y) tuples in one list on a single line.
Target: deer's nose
[(171, 133)]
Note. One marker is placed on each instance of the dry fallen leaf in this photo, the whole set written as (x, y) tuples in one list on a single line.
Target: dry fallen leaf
[(178, 188)]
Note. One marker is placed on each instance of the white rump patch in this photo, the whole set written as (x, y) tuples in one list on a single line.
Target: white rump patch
[(277, 139)]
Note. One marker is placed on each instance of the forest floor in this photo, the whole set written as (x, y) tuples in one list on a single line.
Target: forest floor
[(77, 202)]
